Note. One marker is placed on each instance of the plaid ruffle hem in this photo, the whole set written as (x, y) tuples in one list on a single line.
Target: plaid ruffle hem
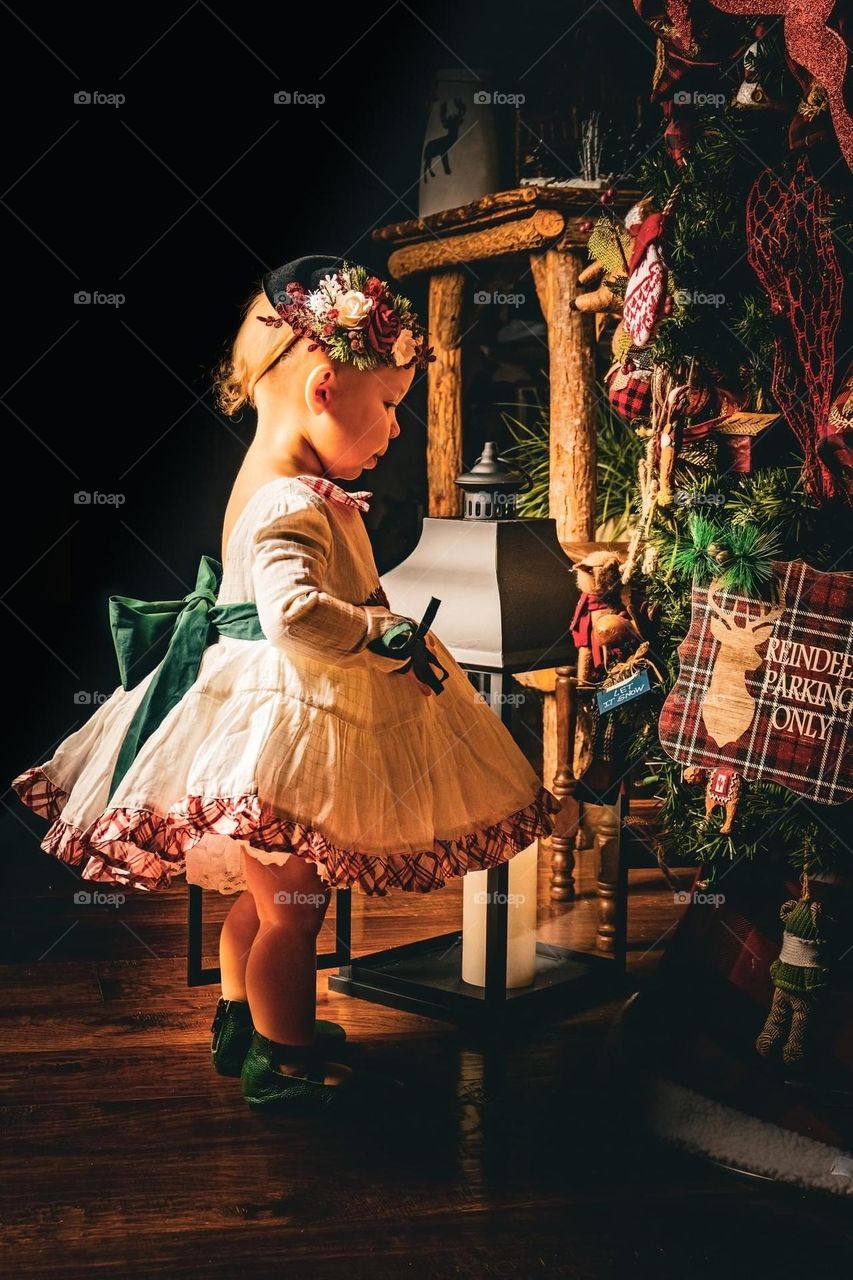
[(145, 850)]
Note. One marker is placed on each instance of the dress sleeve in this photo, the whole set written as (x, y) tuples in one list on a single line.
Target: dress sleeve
[(290, 557)]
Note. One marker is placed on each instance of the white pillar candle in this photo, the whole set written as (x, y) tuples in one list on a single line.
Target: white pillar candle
[(521, 921)]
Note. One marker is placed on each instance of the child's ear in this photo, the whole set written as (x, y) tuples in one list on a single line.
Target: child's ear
[(320, 388)]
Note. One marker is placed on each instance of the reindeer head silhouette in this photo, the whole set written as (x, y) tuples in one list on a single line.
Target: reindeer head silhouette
[(728, 706), (740, 641)]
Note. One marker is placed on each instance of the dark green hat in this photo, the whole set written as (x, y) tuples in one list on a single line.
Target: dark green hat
[(307, 271)]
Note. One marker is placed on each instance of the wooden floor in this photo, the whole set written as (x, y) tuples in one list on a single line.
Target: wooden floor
[(125, 1155)]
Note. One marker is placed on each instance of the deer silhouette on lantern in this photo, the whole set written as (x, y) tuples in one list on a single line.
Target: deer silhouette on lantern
[(728, 707), (441, 146)]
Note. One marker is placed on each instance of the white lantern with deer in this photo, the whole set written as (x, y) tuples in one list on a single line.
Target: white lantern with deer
[(460, 160)]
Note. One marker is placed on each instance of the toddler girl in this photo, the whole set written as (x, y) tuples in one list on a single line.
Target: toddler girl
[(285, 743)]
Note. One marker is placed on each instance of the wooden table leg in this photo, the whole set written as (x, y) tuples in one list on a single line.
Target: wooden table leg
[(607, 852), (444, 414), (568, 819), (574, 394)]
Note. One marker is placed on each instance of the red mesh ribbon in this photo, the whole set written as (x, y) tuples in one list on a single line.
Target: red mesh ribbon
[(791, 250)]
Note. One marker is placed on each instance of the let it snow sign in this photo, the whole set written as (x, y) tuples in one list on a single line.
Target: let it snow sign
[(768, 689)]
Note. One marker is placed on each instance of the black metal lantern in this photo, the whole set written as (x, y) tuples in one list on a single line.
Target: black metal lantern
[(507, 593), (491, 488)]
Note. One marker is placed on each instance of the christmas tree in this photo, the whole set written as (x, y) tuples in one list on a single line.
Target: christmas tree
[(728, 356), (731, 363)]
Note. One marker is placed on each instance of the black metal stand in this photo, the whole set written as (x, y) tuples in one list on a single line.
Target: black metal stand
[(425, 977)]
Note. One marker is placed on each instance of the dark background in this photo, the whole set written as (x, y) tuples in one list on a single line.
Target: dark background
[(179, 199)]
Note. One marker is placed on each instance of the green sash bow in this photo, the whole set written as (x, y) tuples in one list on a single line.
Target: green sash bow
[(140, 627)]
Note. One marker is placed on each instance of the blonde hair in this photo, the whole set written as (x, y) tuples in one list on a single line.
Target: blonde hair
[(255, 349)]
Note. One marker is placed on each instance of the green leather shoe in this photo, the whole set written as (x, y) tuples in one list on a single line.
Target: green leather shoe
[(232, 1034), (265, 1088)]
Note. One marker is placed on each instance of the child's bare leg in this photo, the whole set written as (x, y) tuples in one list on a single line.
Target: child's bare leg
[(235, 943), (281, 973)]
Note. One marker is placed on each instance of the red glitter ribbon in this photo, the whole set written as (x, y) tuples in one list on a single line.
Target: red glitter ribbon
[(811, 43)]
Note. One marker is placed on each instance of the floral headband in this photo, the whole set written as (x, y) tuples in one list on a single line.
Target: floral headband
[(355, 318)]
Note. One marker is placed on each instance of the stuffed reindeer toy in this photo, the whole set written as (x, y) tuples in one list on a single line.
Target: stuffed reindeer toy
[(602, 627)]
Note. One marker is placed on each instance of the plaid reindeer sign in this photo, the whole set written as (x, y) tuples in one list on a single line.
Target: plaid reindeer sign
[(768, 689)]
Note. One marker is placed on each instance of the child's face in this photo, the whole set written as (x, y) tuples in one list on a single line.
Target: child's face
[(354, 414)]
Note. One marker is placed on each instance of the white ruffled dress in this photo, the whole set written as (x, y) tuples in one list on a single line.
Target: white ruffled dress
[(302, 743)]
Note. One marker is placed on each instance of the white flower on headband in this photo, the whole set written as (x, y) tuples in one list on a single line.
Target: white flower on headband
[(353, 307), (331, 287), (317, 302), (405, 348)]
